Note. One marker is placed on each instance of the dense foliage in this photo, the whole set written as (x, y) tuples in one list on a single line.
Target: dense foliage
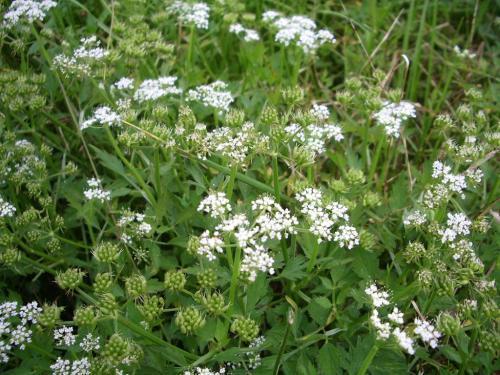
[(249, 187)]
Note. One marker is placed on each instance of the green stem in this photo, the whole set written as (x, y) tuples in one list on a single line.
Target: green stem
[(234, 278), (230, 184), (368, 360), (277, 363), (314, 255)]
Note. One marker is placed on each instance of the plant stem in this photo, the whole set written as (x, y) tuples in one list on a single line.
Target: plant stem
[(277, 363), (314, 255), (368, 360), (234, 278)]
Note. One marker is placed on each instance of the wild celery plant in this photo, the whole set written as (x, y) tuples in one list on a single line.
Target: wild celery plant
[(255, 187)]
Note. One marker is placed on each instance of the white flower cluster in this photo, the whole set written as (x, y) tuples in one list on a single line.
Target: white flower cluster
[(454, 182), (427, 332), (153, 89), (270, 222), (14, 329), (299, 30), (315, 136), (392, 115), (216, 204), (6, 209), (123, 83), (457, 225), (248, 35), (320, 112), (90, 343), (196, 14), (210, 244), (379, 297), (67, 367), (233, 143), (95, 191), (205, 371), (102, 116), (83, 58), (133, 226), (324, 216), (414, 218), (463, 250), (464, 54), (64, 336), (26, 11), (213, 95)]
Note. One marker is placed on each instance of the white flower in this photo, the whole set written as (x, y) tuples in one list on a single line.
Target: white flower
[(427, 332), (212, 95), (124, 83), (6, 209), (83, 58), (30, 312), (153, 89), (256, 259), (392, 115), (299, 30), (64, 336), (216, 204), (379, 297), (102, 116), (404, 340), (67, 367), (96, 192), (464, 54), (27, 10), (346, 236), (396, 316), (457, 225), (415, 218), (4, 350), (320, 112), (249, 35), (210, 244), (20, 336), (90, 343), (383, 329), (196, 14)]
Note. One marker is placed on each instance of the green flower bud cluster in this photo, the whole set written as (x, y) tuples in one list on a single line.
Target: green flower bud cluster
[(355, 177), (85, 316), (189, 320), (269, 116), (116, 350), (193, 245), (50, 316), (175, 280), (186, 117), (213, 302), (414, 251), (151, 307), (207, 279), (70, 279), (19, 92), (135, 285), (107, 252), (448, 324), (367, 240), (108, 305), (292, 95), (490, 341), (371, 199), (246, 328), (10, 256), (102, 282), (234, 118)]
